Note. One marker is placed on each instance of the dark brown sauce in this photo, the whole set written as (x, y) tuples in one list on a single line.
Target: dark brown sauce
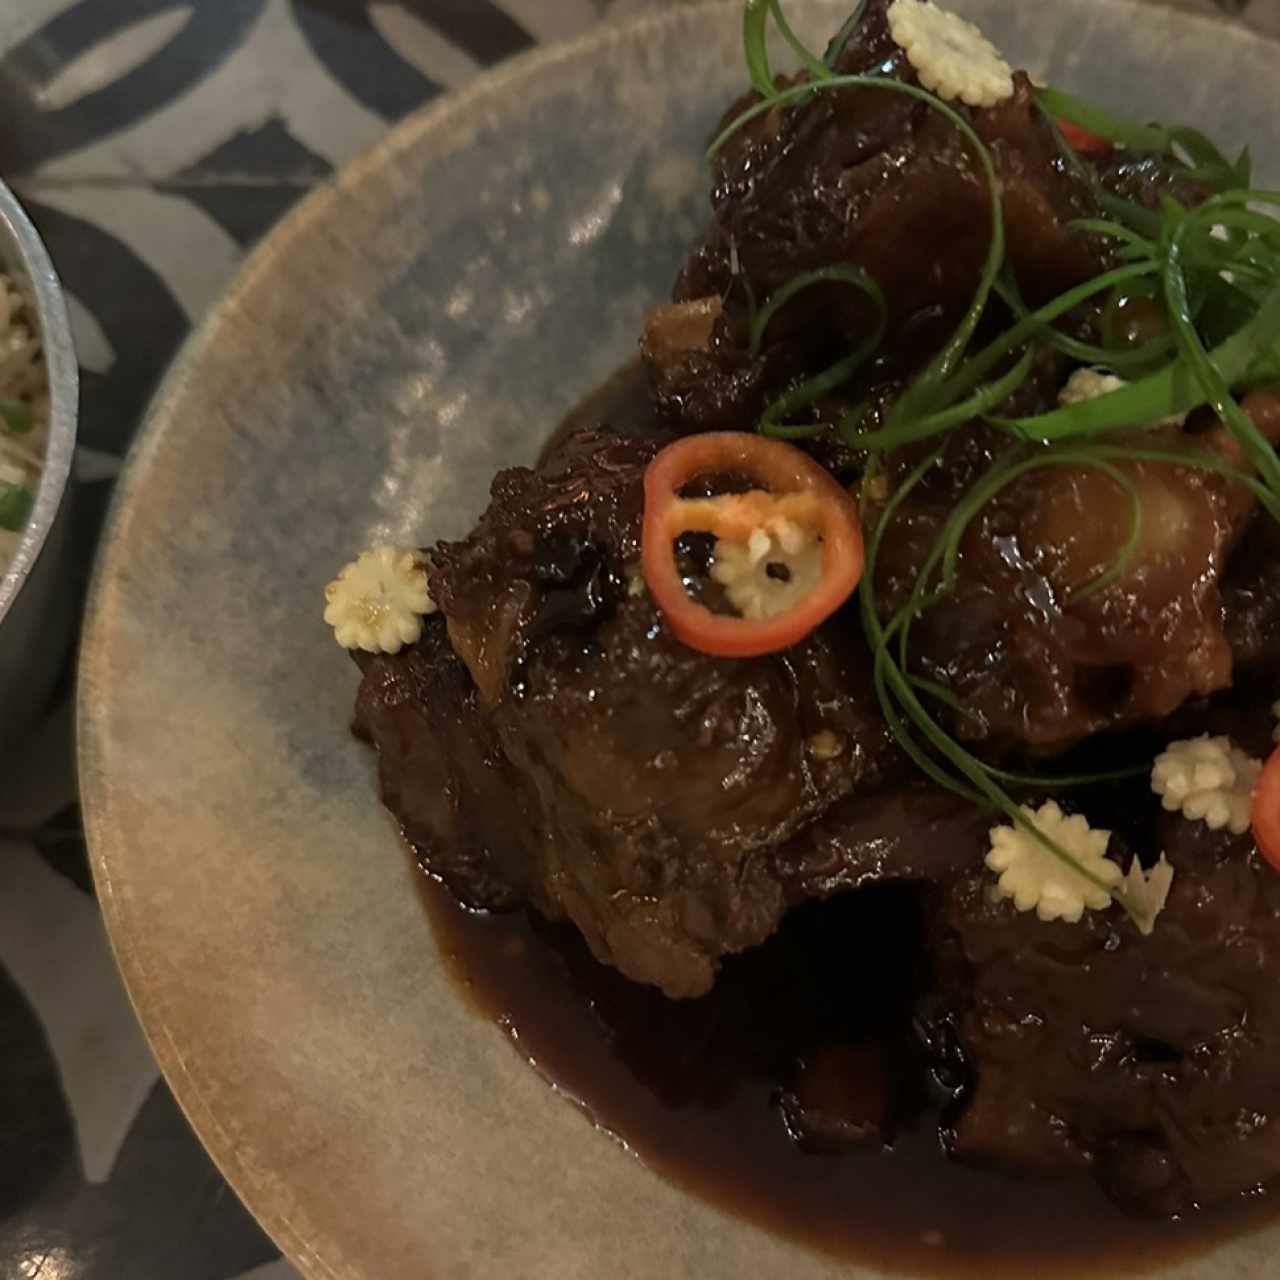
[(694, 1087), (622, 403)]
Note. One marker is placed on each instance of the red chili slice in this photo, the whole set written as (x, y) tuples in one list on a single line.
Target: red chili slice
[(793, 487), (1081, 139), (1266, 811)]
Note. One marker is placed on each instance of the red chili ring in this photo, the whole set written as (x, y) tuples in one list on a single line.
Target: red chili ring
[(792, 485)]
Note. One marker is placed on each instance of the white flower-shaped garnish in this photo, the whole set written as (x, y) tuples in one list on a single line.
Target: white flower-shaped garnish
[(1210, 780), (1146, 892), (1035, 877), (778, 565), (1089, 384), (951, 56), (377, 602)]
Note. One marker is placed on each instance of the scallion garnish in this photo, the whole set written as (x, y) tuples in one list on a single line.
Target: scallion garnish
[(1214, 385), (918, 396), (909, 430), (842, 37), (1189, 147), (1250, 356), (1213, 269), (817, 68), (1151, 139), (1144, 357), (978, 366), (16, 501), (755, 27), (803, 394), (854, 276), (773, 422), (15, 416)]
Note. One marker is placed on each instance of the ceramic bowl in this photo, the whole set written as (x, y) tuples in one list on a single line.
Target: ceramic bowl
[(424, 321)]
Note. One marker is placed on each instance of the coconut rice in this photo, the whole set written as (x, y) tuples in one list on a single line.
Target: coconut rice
[(24, 414)]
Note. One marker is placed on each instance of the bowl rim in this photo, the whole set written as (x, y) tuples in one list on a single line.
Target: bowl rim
[(17, 229)]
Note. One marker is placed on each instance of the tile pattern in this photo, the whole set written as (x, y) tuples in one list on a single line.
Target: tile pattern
[(153, 142)]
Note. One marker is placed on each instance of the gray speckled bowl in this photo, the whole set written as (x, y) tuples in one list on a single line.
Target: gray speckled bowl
[(401, 336)]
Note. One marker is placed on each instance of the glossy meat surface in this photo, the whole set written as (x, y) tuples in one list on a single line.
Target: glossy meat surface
[(1074, 612), (870, 178), (442, 773), (1038, 658), (549, 741), (1150, 1061), (653, 784)]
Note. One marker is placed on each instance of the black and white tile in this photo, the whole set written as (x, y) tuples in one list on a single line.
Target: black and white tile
[(153, 142)]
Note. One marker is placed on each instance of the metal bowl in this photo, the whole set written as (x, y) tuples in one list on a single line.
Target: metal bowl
[(36, 590)]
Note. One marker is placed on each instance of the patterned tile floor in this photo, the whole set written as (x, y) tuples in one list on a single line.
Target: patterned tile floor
[(153, 141)]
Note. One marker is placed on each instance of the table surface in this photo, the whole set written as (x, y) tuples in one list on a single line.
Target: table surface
[(153, 142)]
